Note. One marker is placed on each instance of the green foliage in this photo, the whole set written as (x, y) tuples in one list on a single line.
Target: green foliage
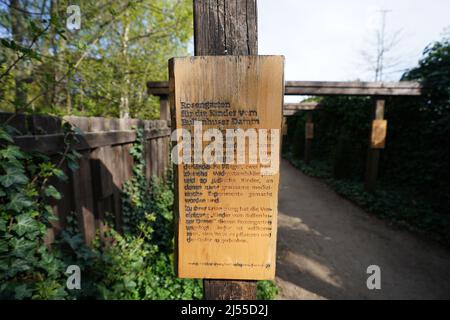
[(135, 264), (434, 71), (139, 264), (28, 268), (136, 200), (316, 168), (266, 290), (132, 268), (341, 131), (99, 70)]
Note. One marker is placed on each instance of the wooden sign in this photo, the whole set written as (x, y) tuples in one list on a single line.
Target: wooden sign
[(309, 130), (227, 213), (379, 130)]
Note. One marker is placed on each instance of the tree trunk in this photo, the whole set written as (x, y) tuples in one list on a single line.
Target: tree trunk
[(18, 35), (125, 95)]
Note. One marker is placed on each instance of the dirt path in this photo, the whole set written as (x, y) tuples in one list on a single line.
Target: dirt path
[(325, 244)]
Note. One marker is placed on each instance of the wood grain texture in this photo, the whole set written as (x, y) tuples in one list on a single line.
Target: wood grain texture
[(379, 131), (225, 41), (353, 88), (230, 290), (247, 84), (225, 27), (334, 88), (54, 143)]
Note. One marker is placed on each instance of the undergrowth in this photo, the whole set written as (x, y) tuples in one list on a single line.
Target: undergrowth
[(136, 263)]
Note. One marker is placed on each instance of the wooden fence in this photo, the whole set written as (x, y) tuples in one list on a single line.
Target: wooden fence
[(94, 190)]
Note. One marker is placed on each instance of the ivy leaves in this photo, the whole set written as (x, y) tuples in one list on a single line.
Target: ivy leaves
[(27, 268), (51, 191), (13, 175), (26, 224)]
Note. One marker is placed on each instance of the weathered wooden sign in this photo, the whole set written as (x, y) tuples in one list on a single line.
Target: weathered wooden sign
[(227, 210), (379, 130)]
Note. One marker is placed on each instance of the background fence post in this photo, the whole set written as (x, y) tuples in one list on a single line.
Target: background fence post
[(226, 27), (309, 133), (164, 108), (373, 154)]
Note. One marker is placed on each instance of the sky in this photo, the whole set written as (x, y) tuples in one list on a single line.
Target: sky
[(323, 39)]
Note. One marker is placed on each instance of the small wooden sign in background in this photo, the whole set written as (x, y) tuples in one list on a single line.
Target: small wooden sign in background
[(379, 130), (226, 214)]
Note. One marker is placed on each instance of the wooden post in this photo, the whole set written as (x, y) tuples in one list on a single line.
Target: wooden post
[(309, 135), (161, 90), (284, 127), (226, 27), (373, 155), (164, 108)]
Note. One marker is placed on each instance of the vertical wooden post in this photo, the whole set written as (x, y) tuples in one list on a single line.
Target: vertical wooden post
[(309, 134), (226, 27), (164, 108), (373, 154), (158, 89), (84, 202), (284, 127)]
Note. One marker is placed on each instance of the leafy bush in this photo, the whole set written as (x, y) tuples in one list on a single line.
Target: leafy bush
[(266, 290), (28, 268), (135, 264)]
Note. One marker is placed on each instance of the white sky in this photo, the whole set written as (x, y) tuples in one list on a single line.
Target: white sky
[(323, 39)]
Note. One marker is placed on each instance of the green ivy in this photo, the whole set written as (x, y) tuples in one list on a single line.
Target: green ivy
[(28, 268), (139, 264)]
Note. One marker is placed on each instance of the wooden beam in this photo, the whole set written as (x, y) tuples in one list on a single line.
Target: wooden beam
[(302, 106), (54, 143), (291, 109), (226, 28), (353, 88), (158, 88), (330, 88)]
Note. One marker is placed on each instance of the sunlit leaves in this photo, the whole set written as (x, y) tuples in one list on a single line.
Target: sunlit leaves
[(26, 224), (51, 191)]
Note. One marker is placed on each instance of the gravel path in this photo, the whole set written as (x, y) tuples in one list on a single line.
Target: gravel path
[(325, 244)]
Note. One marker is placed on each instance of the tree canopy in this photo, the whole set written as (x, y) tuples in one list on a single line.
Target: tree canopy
[(100, 69)]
